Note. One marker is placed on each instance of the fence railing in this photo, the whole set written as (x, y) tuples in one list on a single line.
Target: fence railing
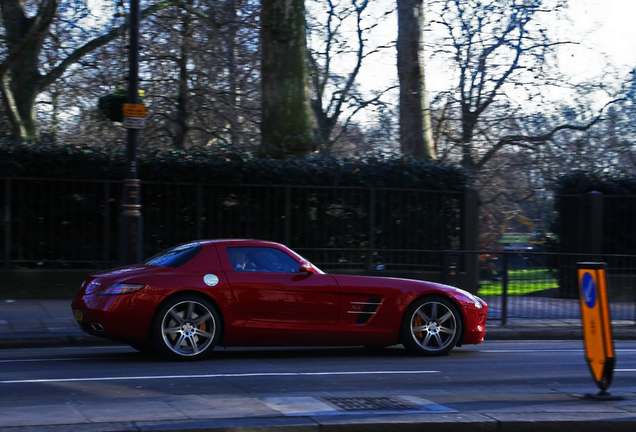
[(523, 284), (515, 284), (597, 223), (70, 224), (53, 223)]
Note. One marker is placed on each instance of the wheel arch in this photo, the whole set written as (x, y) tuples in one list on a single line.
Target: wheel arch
[(453, 300), (194, 293)]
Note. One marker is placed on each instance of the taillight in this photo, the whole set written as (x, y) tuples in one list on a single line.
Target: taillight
[(121, 288)]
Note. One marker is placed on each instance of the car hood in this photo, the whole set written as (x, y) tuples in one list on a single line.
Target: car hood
[(403, 284)]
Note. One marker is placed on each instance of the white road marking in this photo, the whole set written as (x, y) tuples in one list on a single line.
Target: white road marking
[(52, 359), (571, 350), (624, 370), (235, 375)]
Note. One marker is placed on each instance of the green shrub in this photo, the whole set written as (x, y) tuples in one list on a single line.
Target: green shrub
[(581, 182), (203, 166)]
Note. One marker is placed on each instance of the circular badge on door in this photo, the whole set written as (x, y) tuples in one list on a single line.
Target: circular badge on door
[(210, 279)]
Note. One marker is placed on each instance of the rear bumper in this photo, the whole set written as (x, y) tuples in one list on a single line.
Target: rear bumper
[(117, 317)]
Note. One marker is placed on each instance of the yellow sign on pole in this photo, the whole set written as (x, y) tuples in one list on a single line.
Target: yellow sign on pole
[(134, 110), (597, 325)]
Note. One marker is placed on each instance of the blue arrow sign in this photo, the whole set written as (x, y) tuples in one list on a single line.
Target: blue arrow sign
[(589, 290)]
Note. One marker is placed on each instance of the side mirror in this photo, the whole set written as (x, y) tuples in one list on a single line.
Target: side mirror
[(306, 267)]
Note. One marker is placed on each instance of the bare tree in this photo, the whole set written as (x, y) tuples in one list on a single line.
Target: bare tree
[(335, 96), (416, 132), (498, 48), (203, 83), (23, 75)]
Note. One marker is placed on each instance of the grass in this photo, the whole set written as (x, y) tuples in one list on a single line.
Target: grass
[(514, 239), (520, 282), (515, 288)]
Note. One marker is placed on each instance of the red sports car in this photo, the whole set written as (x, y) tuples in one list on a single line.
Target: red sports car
[(188, 299)]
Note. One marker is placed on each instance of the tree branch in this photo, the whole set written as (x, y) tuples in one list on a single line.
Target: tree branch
[(114, 33), (520, 139)]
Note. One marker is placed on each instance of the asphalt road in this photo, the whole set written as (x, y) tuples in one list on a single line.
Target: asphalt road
[(111, 384), (120, 372)]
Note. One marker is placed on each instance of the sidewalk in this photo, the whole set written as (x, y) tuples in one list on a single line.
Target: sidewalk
[(48, 323), (550, 411)]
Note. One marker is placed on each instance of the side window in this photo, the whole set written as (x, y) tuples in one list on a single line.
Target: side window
[(259, 259), (175, 256)]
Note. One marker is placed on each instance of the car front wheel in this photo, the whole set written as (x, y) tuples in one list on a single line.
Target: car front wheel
[(431, 326), (186, 328)]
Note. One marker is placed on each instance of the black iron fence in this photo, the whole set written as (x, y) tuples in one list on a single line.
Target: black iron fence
[(73, 224), (597, 223), (69, 224), (515, 284), (526, 284)]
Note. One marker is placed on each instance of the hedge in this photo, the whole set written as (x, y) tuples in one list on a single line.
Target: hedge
[(580, 182), (203, 166)]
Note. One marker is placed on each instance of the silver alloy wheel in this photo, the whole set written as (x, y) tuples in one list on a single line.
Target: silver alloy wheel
[(434, 326), (188, 328)]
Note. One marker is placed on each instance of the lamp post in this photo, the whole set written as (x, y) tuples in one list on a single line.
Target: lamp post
[(130, 220)]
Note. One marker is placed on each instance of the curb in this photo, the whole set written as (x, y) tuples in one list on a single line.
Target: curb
[(448, 423)]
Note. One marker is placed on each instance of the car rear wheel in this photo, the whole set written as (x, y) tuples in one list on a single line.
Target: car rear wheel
[(186, 328), (431, 326)]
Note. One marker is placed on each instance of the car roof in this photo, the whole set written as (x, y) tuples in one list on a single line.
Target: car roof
[(239, 242)]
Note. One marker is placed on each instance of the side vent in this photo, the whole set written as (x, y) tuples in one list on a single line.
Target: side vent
[(365, 310)]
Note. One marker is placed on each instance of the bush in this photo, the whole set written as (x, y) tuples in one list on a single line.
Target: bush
[(205, 166), (581, 182), (79, 219)]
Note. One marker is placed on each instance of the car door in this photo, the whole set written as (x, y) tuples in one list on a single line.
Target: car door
[(268, 286)]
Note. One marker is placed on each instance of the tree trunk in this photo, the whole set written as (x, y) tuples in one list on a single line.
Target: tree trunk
[(183, 118), (21, 77), (233, 98), (286, 120), (416, 132)]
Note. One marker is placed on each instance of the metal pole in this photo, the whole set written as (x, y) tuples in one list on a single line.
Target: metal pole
[(504, 290), (288, 216), (368, 267), (131, 221), (7, 223)]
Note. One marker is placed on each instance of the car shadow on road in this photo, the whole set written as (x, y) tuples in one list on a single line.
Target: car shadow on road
[(123, 354)]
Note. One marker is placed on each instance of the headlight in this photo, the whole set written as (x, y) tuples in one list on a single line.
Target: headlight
[(474, 298), (121, 288)]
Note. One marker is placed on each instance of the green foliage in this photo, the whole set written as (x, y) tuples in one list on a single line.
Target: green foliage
[(111, 106), (415, 204), (581, 182), (203, 166)]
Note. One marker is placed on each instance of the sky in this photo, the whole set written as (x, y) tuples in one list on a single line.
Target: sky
[(603, 29), (606, 28)]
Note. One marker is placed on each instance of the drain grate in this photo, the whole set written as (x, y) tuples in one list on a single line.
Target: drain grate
[(379, 403)]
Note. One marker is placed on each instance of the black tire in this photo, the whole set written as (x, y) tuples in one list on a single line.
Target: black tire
[(431, 326), (186, 328)]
